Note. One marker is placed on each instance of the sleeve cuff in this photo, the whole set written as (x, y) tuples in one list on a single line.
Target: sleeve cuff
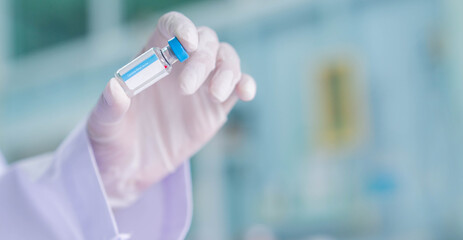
[(164, 211), (75, 166)]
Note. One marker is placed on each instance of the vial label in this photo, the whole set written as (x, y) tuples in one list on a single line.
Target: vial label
[(142, 69)]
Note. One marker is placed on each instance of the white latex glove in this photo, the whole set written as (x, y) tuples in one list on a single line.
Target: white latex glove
[(139, 141)]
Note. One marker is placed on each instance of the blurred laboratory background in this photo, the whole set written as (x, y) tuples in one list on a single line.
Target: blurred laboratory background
[(356, 131)]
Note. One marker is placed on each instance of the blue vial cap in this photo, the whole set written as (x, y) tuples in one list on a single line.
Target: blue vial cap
[(178, 49)]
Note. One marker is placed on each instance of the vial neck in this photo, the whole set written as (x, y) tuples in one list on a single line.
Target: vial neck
[(169, 55)]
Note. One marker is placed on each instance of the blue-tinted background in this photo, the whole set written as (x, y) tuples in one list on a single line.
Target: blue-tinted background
[(355, 133)]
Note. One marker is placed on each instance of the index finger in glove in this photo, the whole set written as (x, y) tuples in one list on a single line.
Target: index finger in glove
[(175, 24)]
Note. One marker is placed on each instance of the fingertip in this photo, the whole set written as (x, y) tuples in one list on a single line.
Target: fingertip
[(192, 77), (222, 85), (247, 88), (227, 74), (115, 97)]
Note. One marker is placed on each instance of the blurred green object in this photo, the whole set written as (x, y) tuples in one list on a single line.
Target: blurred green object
[(136, 9), (40, 24)]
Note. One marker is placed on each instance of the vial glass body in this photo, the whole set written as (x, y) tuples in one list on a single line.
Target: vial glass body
[(145, 70)]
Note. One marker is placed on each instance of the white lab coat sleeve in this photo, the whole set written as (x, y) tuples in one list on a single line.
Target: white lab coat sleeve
[(60, 196)]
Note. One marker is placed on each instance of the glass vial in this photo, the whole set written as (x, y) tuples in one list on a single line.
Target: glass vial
[(150, 67)]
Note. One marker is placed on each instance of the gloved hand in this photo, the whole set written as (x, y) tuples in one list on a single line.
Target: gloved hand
[(139, 141)]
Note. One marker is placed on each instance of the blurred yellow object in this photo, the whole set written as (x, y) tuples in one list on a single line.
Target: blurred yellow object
[(341, 110)]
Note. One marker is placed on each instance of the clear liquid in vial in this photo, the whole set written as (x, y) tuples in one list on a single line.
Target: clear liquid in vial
[(142, 72)]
